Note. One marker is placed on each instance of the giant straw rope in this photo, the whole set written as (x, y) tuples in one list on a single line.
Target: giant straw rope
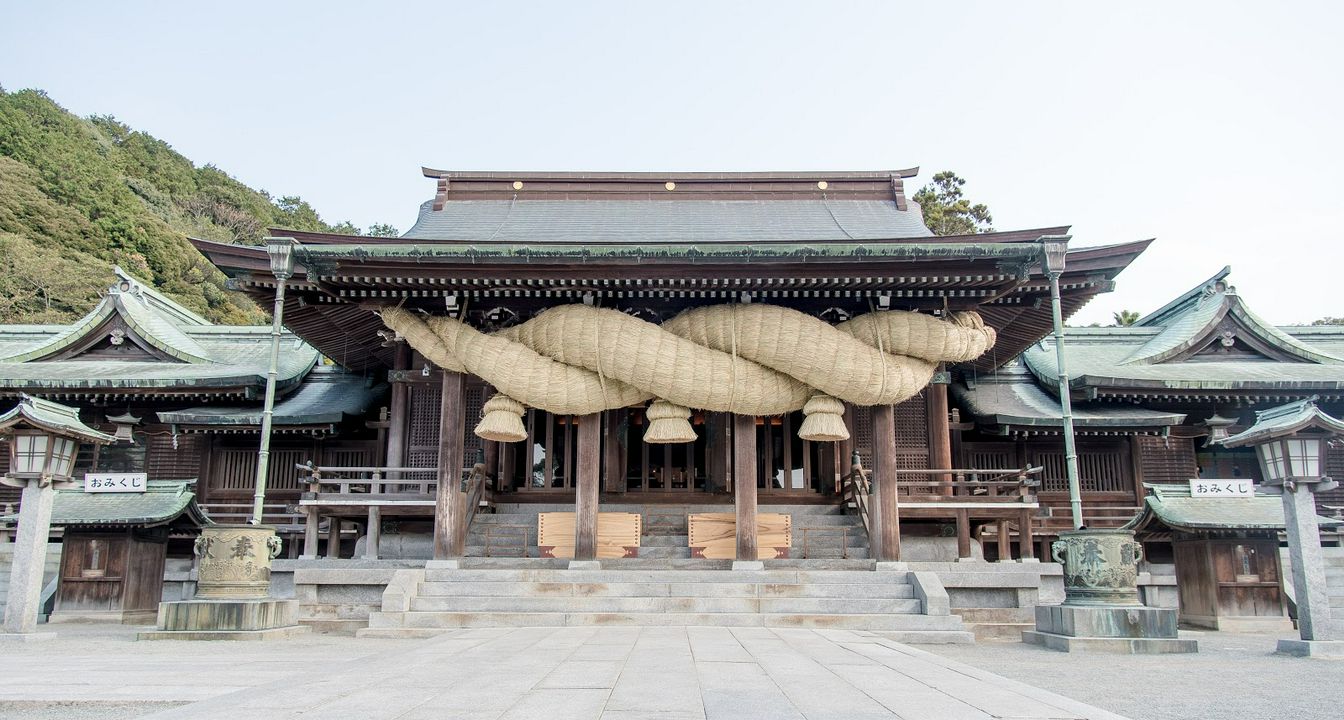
[(749, 359)]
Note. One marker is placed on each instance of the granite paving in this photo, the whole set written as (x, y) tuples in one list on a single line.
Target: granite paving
[(615, 673)]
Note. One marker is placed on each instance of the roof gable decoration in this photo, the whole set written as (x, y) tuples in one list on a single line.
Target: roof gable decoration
[(1213, 322), (130, 312)]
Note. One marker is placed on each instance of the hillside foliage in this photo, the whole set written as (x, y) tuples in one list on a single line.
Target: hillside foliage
[(78, 195)]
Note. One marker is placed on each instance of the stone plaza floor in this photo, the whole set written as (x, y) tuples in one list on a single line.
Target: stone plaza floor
[(615, 673), (98, 672)]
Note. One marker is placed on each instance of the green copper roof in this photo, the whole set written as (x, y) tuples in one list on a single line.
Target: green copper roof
[(1285, 420), (328, 396), (52, 417), (1009, 397), (1170, 507), (163, 502), (1206, 340), (167, 347)]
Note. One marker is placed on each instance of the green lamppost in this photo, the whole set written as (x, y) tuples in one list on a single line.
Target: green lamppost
[(43, 439)]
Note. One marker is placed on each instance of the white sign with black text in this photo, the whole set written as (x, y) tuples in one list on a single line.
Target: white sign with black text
[(115, 482), (1214, 487)]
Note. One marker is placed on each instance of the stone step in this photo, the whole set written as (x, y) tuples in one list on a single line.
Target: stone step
[(883, 622), (657, 574), (664, 589), (697, 605)]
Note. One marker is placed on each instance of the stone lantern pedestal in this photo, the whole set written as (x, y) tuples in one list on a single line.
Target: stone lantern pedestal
[(232, 591), (1101, 610)]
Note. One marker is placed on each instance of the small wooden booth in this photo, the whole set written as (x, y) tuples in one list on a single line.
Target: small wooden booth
[(1226, 549), (115, 545)]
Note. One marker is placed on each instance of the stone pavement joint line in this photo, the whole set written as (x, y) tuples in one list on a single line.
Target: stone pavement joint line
[(612, 673)]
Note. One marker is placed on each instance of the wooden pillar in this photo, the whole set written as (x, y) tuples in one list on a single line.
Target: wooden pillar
[(399, 412), (1005, 546), (373, 532), (310, 534), (744, 485), (940, 434), (585, 492), (1026, 544), (334, 538), (963, 534), (884, 480), (450, 502), (613, 470)]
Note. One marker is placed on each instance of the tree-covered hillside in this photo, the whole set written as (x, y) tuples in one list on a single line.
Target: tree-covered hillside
[(79, 195)]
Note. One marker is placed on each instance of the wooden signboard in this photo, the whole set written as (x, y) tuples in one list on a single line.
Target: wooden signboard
[(714, 535), (617, 534)]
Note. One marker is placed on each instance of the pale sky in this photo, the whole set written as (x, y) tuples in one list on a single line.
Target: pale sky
[(1213, 127)]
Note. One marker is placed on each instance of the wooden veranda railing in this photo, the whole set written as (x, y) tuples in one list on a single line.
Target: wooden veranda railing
[(344, 492), (960, 494)]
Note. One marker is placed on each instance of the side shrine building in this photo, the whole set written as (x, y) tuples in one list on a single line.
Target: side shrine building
[(730, 347), (183, 398)]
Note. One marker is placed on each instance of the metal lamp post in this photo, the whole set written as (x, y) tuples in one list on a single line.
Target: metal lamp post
[(281, 251), (1290, 442), (43, 440), (1054, 250)]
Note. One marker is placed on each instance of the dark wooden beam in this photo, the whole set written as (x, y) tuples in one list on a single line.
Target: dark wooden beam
[(450, 503), (884, 478), (586, 490), (744, 485)]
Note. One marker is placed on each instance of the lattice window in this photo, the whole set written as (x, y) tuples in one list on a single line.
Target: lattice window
[(422, 446), (1101, 469), (912, 434), (473, 446), (1166, 460), (234, 470), (1334, 467), (164, 462), (863, 436), (989, 456)]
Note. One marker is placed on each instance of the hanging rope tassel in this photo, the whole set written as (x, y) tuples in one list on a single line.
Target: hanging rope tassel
[(502, 420)]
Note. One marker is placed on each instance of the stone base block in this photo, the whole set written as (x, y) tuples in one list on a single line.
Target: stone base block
[(443, 565), (197, 616), (748, 565), (893, 566), (1130, 646), (1106, 621), (279, 633), (1130, 629), (138, 617), (585, 565), (1312, 648)]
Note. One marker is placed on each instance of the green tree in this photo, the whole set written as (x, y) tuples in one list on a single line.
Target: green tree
[(1329, 321), (1125, 318), (947, 212), (382, 230)]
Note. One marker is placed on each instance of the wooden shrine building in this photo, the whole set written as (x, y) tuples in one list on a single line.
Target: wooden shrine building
[(1147, 399), (501, 264), (183, 397)]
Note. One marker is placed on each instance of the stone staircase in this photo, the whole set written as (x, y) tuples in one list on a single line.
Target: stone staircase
[(827, 582), (819, 531), (676, 591)]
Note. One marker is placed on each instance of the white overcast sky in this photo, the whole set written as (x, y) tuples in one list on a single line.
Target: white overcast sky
[(1213, 127)]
